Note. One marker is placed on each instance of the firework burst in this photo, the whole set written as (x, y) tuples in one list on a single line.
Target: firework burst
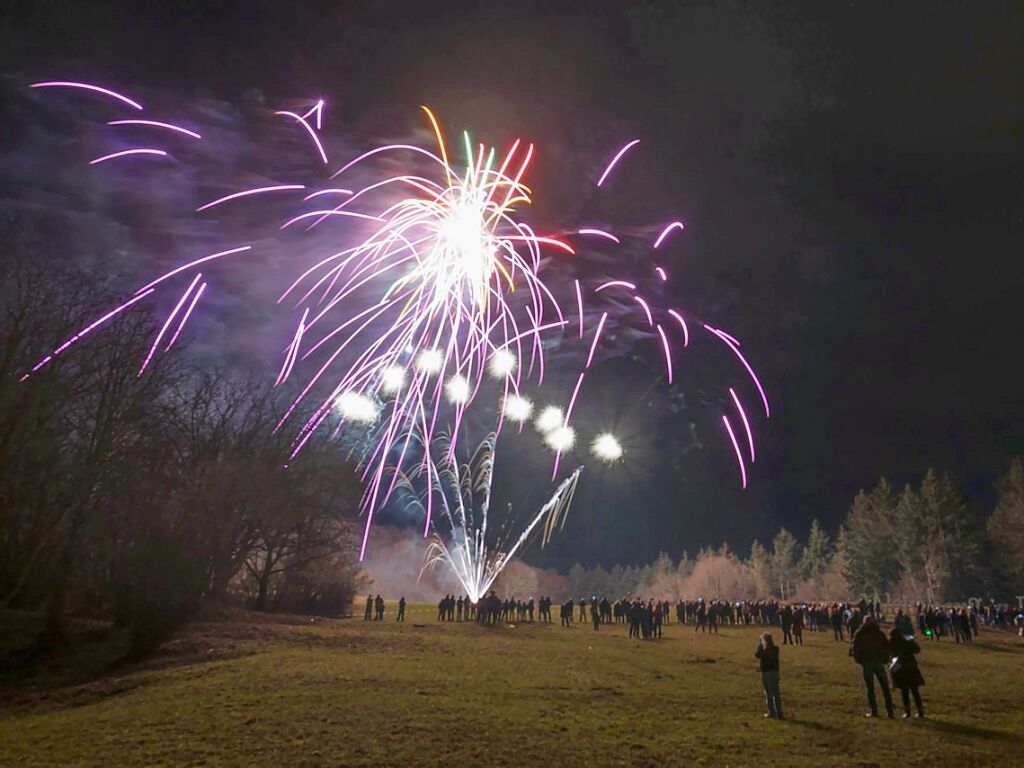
[(436, 286)]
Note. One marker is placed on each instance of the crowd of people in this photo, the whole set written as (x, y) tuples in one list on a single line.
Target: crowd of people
[(881, 656), (645, 618)]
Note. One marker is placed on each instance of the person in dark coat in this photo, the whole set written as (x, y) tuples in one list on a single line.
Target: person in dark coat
[(369, 608), (401, 610), (786, 618), (906, 675), (767, 654), (870, 649)]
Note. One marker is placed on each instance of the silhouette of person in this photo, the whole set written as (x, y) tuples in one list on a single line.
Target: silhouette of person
[(767, 654), (401, 610), (871, 650), (906, 675)]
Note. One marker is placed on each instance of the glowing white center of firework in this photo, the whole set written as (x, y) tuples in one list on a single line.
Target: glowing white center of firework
[(517, 408), (430, 361), (549, 419), (357, 407), (606, 447), (502, 363), (561, 439), (464, 238), (393, 379), (457, 389)]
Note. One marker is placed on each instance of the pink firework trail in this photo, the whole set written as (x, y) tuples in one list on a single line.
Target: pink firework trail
[(127, 153), (615, 161), (248, 193), (89, 87), (665, 232), (157, 124), (598, 233), (736, 447)]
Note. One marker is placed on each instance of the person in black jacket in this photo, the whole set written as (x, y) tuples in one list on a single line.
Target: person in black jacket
[(768, 654), (870, 649), (906, 675)]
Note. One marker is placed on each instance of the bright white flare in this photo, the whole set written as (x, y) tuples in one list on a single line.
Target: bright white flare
[(357, 407), (502, 363), (457, 389), (430, 361), (549, 419), (517, 408), (606, 447), (561, 439), (393, 379)]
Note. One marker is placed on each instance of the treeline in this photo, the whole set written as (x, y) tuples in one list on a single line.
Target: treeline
[(138, 497), (923, 543)]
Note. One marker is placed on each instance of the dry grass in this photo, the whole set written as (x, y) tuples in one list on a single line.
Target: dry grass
[(259, 691)]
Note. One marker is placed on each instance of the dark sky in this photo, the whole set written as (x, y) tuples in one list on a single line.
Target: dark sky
[(852, 175)]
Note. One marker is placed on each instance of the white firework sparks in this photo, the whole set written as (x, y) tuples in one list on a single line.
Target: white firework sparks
[(357, 407), (502, 363), (606, 447), (517, 408), (561, 439), (550, 418)]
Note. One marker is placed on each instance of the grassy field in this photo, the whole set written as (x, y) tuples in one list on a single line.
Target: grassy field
[(286, 692)]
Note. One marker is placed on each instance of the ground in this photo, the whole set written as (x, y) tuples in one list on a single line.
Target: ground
[(251, 690)]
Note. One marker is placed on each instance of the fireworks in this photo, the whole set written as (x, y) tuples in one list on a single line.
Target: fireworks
[(517, 409), (464, 538), (549, 419), (457, 389), (501, 364), (392, 379), (357, 407), (434, 285), (561, 439), (606, 447)]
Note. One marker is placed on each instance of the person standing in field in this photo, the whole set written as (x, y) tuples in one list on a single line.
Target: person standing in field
[(401, 609), (369, 608), (798, 626), (767, 654), (903, 623), (906, 675), (870, 649), (835, 618), (786, 619)]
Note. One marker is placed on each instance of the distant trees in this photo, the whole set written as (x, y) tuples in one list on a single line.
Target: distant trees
[(925, 543), (817, 554), (869, 555), (139, 496), (785, 562), (1006, 528)]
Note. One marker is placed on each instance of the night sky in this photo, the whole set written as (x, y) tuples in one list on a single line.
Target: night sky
[(851, 175)]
